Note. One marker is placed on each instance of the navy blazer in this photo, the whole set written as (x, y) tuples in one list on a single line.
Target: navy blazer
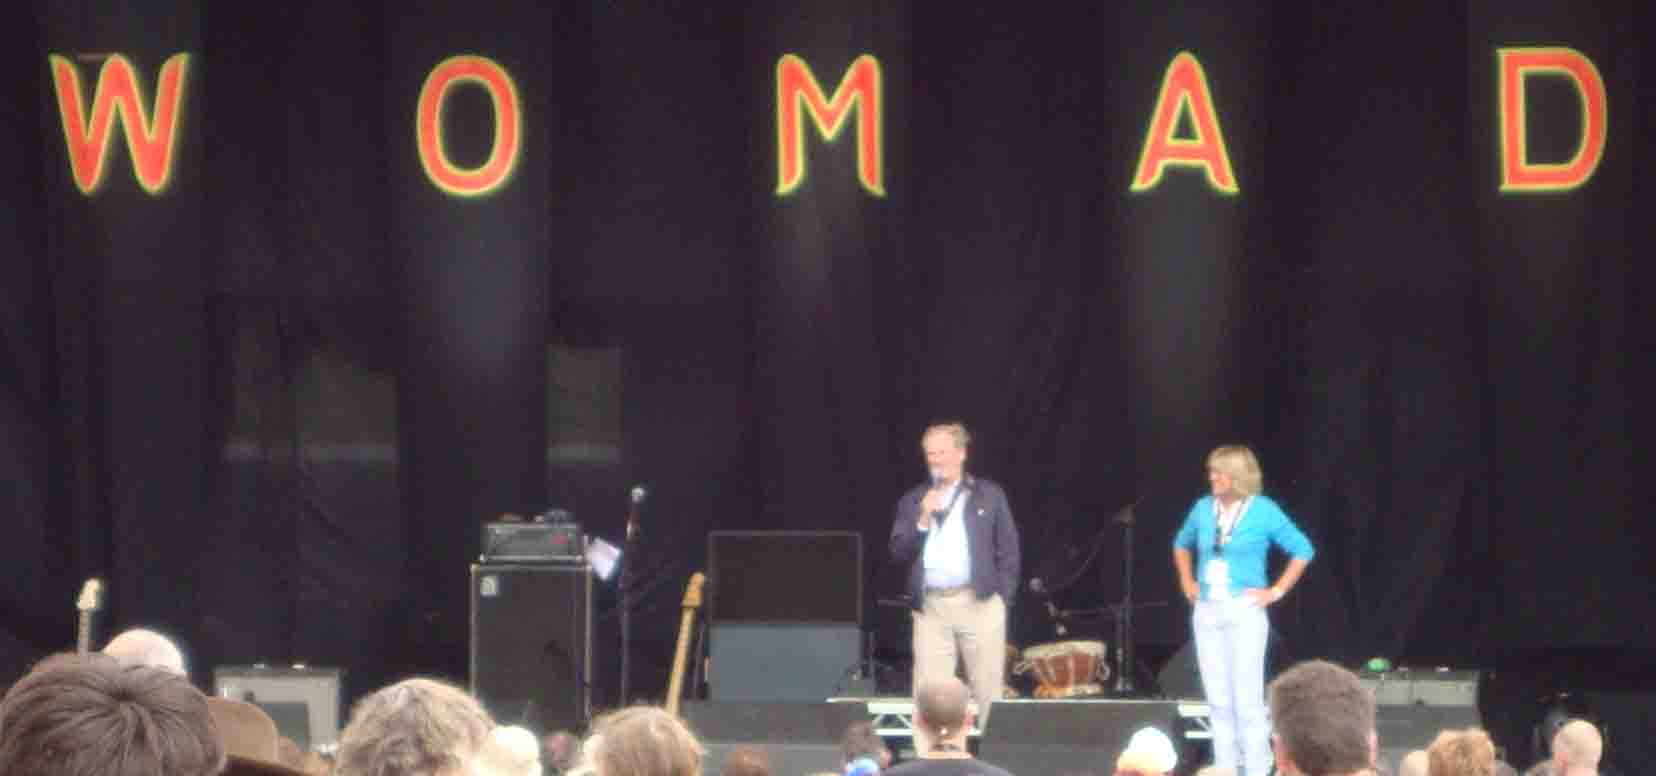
[(991, 540)]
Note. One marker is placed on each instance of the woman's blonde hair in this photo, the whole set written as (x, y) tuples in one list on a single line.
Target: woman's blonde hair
[(416, 727), (1238, 463), (1467, 752), (645, 741)]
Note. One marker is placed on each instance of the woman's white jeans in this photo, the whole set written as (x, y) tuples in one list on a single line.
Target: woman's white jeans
[(1230, 651)]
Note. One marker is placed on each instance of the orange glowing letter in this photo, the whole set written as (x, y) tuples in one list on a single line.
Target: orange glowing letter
[(1517, 172), (118, 98), (1184, 88), (860, 87), (428, 126)]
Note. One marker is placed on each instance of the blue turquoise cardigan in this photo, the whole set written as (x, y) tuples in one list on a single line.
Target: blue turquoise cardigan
[(1263, 523)]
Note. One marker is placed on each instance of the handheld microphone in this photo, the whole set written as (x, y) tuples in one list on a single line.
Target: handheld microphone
[(937, 484)]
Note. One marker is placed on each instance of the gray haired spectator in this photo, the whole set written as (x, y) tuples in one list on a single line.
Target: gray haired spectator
[(1576, 749), (509, 751), (416, 727), (141, 647)]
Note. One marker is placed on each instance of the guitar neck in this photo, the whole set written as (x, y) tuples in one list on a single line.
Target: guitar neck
[(83, 633), (675, 684), (692, 602)]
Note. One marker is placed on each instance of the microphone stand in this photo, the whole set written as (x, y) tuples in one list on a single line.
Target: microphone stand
[(624, 590), (1124, 620)]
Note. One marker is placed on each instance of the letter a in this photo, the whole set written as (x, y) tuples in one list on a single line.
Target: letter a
[(1183, 89)]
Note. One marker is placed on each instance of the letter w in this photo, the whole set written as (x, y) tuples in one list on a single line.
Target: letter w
[(118, 98)]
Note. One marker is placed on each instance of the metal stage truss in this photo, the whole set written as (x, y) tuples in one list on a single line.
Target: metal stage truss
[(893, 717)]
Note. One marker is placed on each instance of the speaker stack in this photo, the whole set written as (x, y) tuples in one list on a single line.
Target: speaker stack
[(531, 643), (785, 614)]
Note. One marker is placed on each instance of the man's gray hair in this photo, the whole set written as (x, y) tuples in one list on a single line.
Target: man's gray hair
[(954, 428), (141, 647)]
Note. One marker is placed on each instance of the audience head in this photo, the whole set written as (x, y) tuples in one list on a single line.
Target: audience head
[(1576, 748), (251, 740), (1149, 752), (746, 761), (643, 741), (862, 742), (416, 727), (509, 751), (940, 706), (88, 715), (1467, 752), (140, 647), (560, 750), (1414, 763), (1324, 720)]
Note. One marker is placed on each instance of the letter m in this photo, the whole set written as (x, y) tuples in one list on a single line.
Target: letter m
[(796, 86), (119, 99)]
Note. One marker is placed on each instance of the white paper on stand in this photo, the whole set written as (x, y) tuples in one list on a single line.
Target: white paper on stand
[(603, 557)]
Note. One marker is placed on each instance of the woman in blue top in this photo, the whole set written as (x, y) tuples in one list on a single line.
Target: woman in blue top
[(1220, 555)]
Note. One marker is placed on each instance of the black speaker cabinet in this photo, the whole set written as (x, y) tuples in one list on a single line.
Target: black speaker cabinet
[(795, 577), (531, 643), (801, 738), (1068, 736)]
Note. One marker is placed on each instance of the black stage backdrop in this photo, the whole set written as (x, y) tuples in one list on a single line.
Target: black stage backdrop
[(271, 396)]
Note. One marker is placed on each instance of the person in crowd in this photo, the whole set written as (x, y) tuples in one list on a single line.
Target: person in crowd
[(955, 539), (1468, 752), (1149, 752), (643, 741), (416, 727), (560, 751), (1324, 720), (1414, 763), (1219, 554), (89, 715), (509, 751), (250, 740), (746, 761), (865, 754), (142, 647), (942, 711), (1576, 749)]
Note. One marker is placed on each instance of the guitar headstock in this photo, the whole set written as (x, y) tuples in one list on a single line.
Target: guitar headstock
[(693, 591), (91, 596)]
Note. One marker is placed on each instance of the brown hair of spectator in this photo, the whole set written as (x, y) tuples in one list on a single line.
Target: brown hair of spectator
[(1467, 752), (416, 727), (1324, 719), (860, 740), (88, 715), (746, 761), (645, 741)]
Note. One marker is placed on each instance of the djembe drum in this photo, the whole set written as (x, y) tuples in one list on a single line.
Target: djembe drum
[(1066, 669)]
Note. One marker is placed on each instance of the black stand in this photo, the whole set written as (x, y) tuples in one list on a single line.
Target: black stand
[(1124, 615), (624, 590), (624, 593), (1121, 612)]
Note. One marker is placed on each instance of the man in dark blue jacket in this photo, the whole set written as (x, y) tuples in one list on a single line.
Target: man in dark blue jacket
[(957, 538)]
